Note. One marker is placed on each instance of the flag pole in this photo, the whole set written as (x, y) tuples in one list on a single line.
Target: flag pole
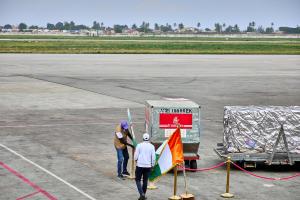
[(132, 174), (185, 183), (186, 195), (152, 185), (175, 197)]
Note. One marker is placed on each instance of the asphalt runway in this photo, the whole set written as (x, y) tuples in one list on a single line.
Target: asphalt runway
[(58, 114)]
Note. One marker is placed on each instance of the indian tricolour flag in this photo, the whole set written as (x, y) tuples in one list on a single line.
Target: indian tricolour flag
[(169, 154)]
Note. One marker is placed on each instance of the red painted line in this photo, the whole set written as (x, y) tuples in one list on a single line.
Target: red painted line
[(28, 195), (25, 180)]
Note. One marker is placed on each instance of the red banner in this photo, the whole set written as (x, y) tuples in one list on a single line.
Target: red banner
[(169, 121)]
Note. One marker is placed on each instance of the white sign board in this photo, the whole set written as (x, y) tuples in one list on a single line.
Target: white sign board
[(169, 132)]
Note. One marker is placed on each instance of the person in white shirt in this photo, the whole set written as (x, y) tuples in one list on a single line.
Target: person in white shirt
[(145, 159)]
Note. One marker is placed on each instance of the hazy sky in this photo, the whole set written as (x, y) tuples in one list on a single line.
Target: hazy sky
[(207, 12)]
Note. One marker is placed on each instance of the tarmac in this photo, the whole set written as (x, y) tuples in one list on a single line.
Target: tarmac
[(58, 114)]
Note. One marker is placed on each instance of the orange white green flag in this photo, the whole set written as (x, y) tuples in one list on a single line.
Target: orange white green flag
[(169, 154)]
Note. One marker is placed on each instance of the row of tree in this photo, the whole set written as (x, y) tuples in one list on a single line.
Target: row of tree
[(145, 27), (66, 26), (220, 28)]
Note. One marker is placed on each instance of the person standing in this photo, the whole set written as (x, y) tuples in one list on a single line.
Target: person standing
[(145, 159), (120, 143)]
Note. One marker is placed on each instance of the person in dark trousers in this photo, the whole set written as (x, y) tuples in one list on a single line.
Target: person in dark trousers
[(120, 142), (145, 159)]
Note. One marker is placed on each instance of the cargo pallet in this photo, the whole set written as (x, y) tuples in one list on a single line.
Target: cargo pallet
[(249, 159)]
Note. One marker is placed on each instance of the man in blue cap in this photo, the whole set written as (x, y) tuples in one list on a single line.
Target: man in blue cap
[(120, 142)]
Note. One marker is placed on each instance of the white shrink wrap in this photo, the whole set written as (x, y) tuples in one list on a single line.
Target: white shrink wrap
[(255, 129)]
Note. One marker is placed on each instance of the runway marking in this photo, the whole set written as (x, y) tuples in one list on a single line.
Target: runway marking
[(51, 125), (79, 88), (48, 172), (25, 180)]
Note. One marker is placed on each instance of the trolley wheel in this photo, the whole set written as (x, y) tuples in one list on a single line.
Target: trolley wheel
[(193, 164), (187, 164), (240, 163)]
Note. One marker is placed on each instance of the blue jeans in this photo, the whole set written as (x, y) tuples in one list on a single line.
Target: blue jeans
[(123, 157), (139, 173)]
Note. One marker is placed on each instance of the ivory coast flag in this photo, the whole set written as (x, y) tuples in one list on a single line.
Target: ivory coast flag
[(168, 155)]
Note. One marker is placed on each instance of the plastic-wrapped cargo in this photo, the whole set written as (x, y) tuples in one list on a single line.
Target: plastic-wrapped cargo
[(256, 129)]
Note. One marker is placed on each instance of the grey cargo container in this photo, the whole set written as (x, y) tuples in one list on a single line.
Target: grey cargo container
[(161, 117)]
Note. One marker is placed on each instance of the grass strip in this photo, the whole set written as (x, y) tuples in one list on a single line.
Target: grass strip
[(141, 47)]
